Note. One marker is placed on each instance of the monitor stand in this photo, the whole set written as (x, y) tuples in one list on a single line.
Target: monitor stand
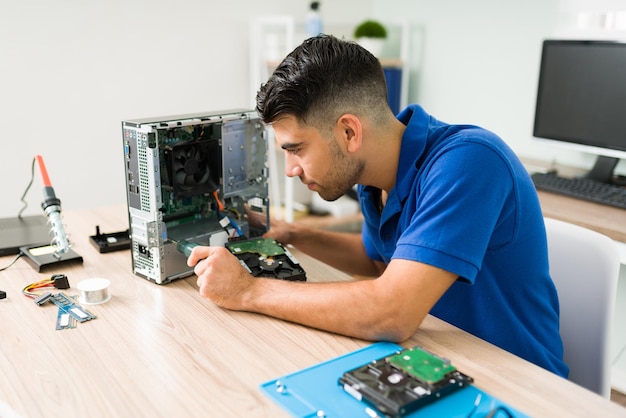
[(602, 170)]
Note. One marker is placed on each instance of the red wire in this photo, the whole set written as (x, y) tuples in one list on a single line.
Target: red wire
[(44, 172)]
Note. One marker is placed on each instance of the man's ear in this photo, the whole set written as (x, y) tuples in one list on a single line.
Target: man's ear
[(350, 131)]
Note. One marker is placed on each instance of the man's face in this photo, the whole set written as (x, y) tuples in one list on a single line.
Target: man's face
[(321, 164)]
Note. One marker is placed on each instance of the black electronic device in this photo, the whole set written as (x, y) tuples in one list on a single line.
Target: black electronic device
[(44, 256), (403, 382), (112, 241), (25, 233), (581, 100), (20, 231), (582, 188), (266, 257)]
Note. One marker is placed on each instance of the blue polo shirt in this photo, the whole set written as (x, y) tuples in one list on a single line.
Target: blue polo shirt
[(463, 202)]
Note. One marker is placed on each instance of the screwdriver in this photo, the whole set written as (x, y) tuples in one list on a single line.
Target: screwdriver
[(185, 246)]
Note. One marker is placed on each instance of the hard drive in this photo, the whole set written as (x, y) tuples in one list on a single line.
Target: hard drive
[(266, 257), (401, 383)]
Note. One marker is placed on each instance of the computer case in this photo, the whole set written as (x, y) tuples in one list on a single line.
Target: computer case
[(201, 178)]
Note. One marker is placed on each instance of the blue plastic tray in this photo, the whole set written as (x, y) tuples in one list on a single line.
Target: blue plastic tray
[(315, 392)]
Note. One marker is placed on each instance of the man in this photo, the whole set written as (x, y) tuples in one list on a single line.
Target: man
[(452, 227)]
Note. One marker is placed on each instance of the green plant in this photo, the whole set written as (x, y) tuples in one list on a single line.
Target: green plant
[(370, 29)]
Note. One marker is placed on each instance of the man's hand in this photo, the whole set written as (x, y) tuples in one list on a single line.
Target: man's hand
[(221, 277), (341, 250), (281, 231)]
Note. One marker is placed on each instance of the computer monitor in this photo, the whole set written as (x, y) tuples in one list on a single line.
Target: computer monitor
[(581, 100)]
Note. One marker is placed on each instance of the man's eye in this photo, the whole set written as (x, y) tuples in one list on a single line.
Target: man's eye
[(293, 151)]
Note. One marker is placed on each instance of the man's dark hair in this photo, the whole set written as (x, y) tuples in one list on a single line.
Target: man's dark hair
[(322, 79)]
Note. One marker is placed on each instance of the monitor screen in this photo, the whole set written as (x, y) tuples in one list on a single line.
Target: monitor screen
[(581, 98)]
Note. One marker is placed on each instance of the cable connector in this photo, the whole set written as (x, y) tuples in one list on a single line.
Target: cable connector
[(60, 281), (41, 299)]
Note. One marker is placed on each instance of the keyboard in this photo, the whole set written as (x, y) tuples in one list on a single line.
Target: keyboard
[(581, 188)]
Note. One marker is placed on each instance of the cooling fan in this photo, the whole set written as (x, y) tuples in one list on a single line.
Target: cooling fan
[(193, 169)]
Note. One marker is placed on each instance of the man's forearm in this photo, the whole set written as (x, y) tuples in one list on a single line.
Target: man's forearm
[(336, 307), (390, 307)]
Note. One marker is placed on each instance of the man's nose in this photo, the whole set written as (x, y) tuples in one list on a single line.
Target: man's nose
[(292, 169)]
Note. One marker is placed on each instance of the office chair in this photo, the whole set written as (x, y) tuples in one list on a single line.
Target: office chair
[(584, 266)]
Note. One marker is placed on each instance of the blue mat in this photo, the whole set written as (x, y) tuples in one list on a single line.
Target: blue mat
[(314, 392)]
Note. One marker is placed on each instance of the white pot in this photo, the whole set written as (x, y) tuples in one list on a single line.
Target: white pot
[(373, 45)]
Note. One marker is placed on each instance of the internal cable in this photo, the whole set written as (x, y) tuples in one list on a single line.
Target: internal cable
[(220, 205), (12, 262), (58, 281), (23, 198), (224, 219), (232, 223), (27, 291)]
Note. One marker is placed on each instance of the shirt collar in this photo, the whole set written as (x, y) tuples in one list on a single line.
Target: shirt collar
[(412, 148), (411, 151)]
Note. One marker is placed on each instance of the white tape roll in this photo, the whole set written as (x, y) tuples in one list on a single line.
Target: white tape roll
[(94, 291)]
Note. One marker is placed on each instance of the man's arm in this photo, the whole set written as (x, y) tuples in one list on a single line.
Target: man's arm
[(341, 250), (390, 307)]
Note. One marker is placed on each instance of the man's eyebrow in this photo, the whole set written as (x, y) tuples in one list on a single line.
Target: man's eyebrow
[(291, 145)]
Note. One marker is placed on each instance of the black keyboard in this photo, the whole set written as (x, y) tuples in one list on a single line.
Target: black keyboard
[(581, 188)]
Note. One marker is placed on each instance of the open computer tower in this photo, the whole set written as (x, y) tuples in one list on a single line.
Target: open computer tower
[(200, 178)]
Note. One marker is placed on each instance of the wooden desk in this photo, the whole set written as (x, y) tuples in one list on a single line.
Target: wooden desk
[(607, 220), (162, 351)]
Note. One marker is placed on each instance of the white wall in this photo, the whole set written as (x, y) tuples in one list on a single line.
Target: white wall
[(481, 59), (479, 62), (72, 70)]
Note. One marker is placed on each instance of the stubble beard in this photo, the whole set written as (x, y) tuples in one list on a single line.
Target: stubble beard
[(344, 173)]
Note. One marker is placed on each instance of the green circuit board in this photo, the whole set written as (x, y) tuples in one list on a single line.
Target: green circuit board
[(422, 365), (265, 247)]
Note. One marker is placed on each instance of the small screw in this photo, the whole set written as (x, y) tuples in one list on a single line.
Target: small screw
[(280, 388)]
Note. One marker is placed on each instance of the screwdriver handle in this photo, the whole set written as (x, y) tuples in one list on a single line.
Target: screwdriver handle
[(185, 247)]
